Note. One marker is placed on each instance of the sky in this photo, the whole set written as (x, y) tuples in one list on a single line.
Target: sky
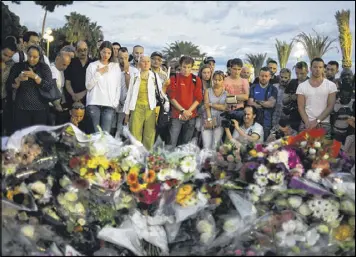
[(222, 29)]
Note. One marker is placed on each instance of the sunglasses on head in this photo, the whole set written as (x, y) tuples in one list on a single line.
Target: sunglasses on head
[(78, 107)]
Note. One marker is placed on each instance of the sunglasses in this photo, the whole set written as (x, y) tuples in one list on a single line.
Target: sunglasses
[(78, 107)]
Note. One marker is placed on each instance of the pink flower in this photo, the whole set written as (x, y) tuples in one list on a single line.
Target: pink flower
[(259, 148), (238, 252), (250, 253), (151, 194), (222, 150)]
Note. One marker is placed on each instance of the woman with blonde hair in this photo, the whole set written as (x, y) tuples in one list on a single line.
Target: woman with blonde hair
[(141, 103)]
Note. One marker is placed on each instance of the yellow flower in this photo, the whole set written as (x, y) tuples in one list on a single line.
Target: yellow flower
[(222, 175), (132, 177), (92, 163), (253, 153), (103, 161), (343, 233), (134, 169), (89, 176), (83, 171), (185, 190), (115, 176)]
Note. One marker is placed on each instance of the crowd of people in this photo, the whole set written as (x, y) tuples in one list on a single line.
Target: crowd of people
[(156, 99)]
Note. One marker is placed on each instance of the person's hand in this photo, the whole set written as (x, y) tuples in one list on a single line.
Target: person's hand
[(103, 70), (311, 124), (351, 121), (30, 74), (22, 77), (258, 106), (262, 103), (58, 108), (236, 124), (126, 120), (76, 97), (187, 114)]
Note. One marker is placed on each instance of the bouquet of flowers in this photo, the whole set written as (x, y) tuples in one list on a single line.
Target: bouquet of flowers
[(228, 156)]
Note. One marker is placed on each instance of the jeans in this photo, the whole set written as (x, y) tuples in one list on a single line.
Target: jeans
[(185, 128), (212, 137), (266, 132), (143, 125), (101, 115), (119, 125)]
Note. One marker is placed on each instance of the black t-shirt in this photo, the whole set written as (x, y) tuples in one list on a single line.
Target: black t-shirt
[(75, 73)]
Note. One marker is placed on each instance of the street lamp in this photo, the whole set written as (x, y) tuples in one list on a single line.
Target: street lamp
[(49, 38)]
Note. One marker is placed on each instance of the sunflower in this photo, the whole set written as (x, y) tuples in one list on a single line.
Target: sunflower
[(92, 163), (185, 190), (135, 188), (149, 177), (132, 177)]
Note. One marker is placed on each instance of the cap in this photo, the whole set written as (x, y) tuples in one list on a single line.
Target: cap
[(156, 54), (209, 59)]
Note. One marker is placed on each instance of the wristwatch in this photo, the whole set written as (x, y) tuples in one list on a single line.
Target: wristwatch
[(36, 77), (181, 111), (209, 119), (127, 72), (318, 121)]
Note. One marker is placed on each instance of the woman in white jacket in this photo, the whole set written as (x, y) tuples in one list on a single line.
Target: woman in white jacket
[(141, 103), (103, 82)]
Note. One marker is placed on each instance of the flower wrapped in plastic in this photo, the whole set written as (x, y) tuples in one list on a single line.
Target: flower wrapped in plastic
[(228, 157), (19, 198), (341, 184)]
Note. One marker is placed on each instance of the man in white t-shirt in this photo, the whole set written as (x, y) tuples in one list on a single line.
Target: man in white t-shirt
[(57, 111), (316, 98), (29, 38), (250, 131)]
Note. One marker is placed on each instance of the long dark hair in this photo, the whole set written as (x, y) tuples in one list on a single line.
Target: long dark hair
[(106, 44), (200, 74)]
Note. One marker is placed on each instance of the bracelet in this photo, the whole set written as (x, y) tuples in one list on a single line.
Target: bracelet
[(36, 77)]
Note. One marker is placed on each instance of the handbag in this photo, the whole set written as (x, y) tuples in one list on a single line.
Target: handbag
[(53, 94), (164, 118), (210, 125)]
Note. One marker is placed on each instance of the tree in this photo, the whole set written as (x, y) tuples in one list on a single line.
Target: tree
[(10, 25), (49, 6), (315, 46), (345, 37), (256, 60), (179, 48), (283, 52)]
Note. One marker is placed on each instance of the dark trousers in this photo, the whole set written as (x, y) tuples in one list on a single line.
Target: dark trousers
[(56, 118), (295, 120), (25, 118)]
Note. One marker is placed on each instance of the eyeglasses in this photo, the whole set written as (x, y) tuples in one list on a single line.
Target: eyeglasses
[(82, 50), (78, 107)]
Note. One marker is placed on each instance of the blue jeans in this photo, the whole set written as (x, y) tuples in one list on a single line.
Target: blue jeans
[(101, 115), (185, 128)]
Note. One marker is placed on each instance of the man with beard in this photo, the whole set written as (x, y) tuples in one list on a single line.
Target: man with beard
[(316, 98), (273, 67), (289, 102), (246, 73), (137, 52), (346, 82), (331, 70), (285, 76)]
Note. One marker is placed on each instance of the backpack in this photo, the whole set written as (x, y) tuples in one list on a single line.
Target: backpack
[(194, 79), (260, 112)]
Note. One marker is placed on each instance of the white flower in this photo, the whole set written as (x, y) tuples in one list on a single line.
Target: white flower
[(262, 170), (231, 225), (255, 189), (128, 162), (167, 174), (304, 210), (348, 206), (204, 226), (330, 217), (98, 148), (70, 196), (205, 237), (272, 176), (38, 187), (317, 144), (313, 175), (28, 231), (303, 143), (301, 227), (254, 198), (287, 236), (79, 208), (283, 156), (260, 154), (188, 165), (81, 221), (312, 236), (323, 229), (295, 201), (272, 159), (61, 199), (262, 181), (326, 157), (312, 151), (65, 181)]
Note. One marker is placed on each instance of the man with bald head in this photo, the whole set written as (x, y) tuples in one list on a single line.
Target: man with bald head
[(246, 73), (61, 63), (75, 78)]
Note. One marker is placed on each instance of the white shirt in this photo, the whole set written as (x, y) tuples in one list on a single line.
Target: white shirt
[(256, 128), (105, 89), (59, 77), (316, 98), (132, 94), (133, 72), (16, 58)]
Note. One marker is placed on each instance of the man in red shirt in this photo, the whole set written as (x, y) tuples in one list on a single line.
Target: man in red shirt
[(185, 93)]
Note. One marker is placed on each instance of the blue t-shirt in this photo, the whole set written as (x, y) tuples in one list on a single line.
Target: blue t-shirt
[(259, 93)]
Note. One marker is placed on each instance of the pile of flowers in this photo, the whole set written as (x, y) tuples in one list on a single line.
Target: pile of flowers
[(293, 196)]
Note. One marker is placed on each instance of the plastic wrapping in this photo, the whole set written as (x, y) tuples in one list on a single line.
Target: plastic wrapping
[(206, 227)]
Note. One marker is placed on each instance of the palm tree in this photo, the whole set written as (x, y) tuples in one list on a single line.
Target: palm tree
[(315, 46), (345, 37), (179, 48), (283, 51), (77, 27), (256, 60), (93, 35)]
